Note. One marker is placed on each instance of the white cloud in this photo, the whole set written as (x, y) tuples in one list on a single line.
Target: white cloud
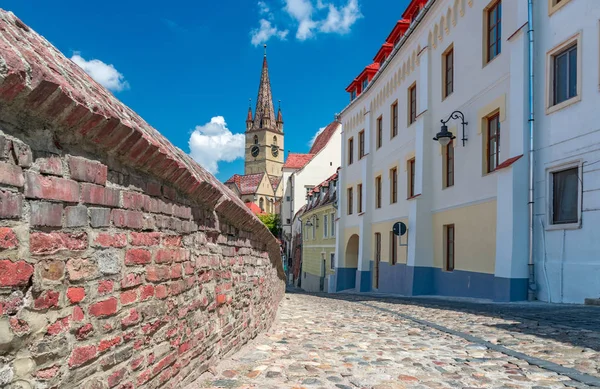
[(265, 32), (263, 8), (214, 142), (314, 138), (340, 21), (302, 12), (105, 75)]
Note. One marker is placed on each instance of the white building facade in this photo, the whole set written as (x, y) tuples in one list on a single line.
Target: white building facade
[(466, 204)]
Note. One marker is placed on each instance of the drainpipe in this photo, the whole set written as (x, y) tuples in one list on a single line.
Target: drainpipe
[(532, 289)]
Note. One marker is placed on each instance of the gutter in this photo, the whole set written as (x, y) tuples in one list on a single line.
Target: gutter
[(532, 289), (397, 48)]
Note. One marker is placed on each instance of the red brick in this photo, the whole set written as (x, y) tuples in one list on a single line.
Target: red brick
[(157, 273), (81, 355), (144, 377), (115, 378), (110, 240), (176, 271), (127, 219), (51, 165), (84, 331), (145, 238), (48, 299), (172, 240), (161, 291), (153, 189), (47, 373), (81, 269), (106, 344), (134, 200), (61, 325), (147, 291), (130, 280), (166, 361), (19, 326), (89, 171), (105, 286), (171, 255), (104, 308), (11, 174), (128, 297), (77, 314), (50, 188), (189, 268), (221, 299), (137, 257), (95, 194), (10, 205), (50, 243), (46, 214), (132, 319), (176, 287), (14, 273), (137, 363), (75, 295), (8, 239)]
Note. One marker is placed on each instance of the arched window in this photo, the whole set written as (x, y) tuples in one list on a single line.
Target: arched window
[(274, 140), (255, 139), (262, 204)]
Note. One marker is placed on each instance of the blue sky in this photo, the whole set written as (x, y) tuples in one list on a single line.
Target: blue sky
[(189, 67)]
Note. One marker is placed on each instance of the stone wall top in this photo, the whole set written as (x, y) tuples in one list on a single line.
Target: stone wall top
[(40, 86)]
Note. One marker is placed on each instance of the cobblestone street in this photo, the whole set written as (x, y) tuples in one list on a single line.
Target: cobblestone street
[(347, 341)]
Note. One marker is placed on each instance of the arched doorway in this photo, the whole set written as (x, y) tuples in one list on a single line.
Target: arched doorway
[(346, 273)]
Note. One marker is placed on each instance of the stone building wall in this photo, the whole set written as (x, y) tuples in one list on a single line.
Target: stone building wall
[(123, 264)]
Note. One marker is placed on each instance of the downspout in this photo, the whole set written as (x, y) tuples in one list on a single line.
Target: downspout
[(532, 289)]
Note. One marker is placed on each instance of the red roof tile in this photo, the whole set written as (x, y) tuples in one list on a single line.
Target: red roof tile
[(247, 184), (508, 162), (298, 161), (323, 138), (254, 208), (274, 182)]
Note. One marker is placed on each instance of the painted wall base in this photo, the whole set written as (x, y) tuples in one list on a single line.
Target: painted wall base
[(345, 278), (312, 283), (363, 281)]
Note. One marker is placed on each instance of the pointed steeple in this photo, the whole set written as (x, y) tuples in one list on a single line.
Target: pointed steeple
[(249, 117), (264, 114), (279, 118)]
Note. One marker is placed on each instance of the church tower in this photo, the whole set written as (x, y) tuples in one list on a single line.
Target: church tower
[(264, 132)]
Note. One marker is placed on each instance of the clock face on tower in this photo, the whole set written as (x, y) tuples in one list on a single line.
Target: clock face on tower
[(254, 151), (274, 150)]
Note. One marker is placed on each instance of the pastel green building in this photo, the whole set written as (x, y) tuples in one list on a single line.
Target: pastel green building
[(319, 236)]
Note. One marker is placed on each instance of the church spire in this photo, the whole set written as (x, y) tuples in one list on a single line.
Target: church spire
[(249, 117), (264, 115)]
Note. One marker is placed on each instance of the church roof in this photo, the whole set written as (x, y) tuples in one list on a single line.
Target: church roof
[(264, 115), (297, 161), (274, 180), (247, 184), (324, 138)]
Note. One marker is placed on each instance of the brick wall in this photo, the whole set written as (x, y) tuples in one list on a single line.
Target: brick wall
[(123, 264)]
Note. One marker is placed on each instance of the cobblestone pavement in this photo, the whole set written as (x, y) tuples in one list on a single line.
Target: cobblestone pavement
[(349, 341)]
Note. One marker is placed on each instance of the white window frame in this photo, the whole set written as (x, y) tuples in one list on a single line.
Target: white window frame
[(332, 224), (325, 224), (550, 195), (553, 7), (550, 55)]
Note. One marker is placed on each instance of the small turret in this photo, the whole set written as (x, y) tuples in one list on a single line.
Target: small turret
[(249, 117), (279, 118)]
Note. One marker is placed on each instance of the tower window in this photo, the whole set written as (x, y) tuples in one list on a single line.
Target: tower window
[(255, 139), (274, 140)]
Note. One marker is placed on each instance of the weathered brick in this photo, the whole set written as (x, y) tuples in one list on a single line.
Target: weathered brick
[(11, 174), (76, 216), (14, 273), (133, 200), (77, 314), (48, 299), (80, 269), (84, 331), (10, 205), (104, 308), (105, 286), (75, 295), (82, 169), (116, 378), (8, 238), (51, 165), (99, 217), (103, 239), (145, 238), (50, 243), (157, 273), (109, 261), (137, 257), (19, 326), (161, 291), (176, 271), (50, 188), (59, 326), (106, 344), (128, 297), (51, 270), (127, 219), (46, 214), (131, 319), (47, 373), (130, 280), (96, 194), (172, 240), (153, 188), (81, 355), (22, 153), (146, 292), (171, 255)]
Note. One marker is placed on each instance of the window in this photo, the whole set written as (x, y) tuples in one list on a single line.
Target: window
[(393, 248), (261, 203), (565, 196), (412, 104), (325, 225), (394, 123), (394, 185), (555, 5), (494, 30), (359, 198), (379, 131), (353, 94), (378, 192), (365, 83), (314, 230), (288, 198), (274, 140), (493, 142), (350, 151), (333, 225), (449, 235), (255, 139), (361, 144), (332, 261), (448, 75), (448, 167), (350, 201), (288, 221), (411, 178), (565, 75)]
